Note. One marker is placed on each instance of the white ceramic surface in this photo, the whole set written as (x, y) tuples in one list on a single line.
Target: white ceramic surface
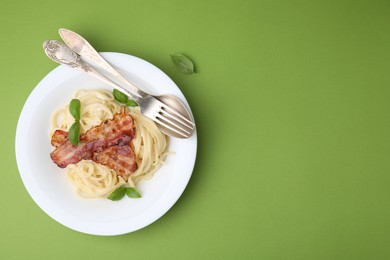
[(48, 185)]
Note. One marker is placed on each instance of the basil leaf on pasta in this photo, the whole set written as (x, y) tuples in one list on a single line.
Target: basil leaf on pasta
[(132, 193), (117, 194), (131, 103), (119, 96), (74, 109), (74, 133)]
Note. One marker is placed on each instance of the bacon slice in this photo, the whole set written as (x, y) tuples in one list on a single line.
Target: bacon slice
[(114, 132), (119, 158), (59, 137), (118, 131)]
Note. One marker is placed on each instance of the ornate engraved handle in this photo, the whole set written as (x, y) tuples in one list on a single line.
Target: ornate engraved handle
[(62, 54), (83, 48)]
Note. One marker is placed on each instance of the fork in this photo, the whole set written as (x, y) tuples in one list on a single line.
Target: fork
[(172, 121)]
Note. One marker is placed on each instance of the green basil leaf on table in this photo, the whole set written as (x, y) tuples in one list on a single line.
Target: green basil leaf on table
[(132, 193), (119, 96), (117, 194), (183, 63), (74, 109), (74, 133)]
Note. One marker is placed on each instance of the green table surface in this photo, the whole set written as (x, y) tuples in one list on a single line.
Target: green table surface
[(292, 102)]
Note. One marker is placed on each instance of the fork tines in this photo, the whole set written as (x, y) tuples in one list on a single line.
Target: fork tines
[(175, 121)]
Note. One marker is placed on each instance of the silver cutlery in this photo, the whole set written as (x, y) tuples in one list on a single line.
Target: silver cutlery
[(169, 113)]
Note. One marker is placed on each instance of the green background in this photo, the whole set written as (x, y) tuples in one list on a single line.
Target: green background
[(292, 102)]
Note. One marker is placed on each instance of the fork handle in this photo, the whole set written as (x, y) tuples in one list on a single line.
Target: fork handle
[(83, 48), (62, 54)]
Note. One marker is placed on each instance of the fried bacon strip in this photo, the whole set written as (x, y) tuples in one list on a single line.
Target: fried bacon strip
[(59, 137), (107, 144), (119, 158)]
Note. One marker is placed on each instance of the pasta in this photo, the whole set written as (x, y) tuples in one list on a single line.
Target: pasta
[(96, 107), (92, 180)]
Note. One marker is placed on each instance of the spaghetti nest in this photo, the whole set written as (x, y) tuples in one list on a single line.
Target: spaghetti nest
[(92, 180)]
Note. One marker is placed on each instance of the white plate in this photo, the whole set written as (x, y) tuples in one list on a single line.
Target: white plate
[(47, 184)]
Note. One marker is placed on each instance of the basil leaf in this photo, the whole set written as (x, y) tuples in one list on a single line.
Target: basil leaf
[(74, 133), (119, 96), (131, 103), (74, 109), (183, 63), (117, 194), (132, 193)]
